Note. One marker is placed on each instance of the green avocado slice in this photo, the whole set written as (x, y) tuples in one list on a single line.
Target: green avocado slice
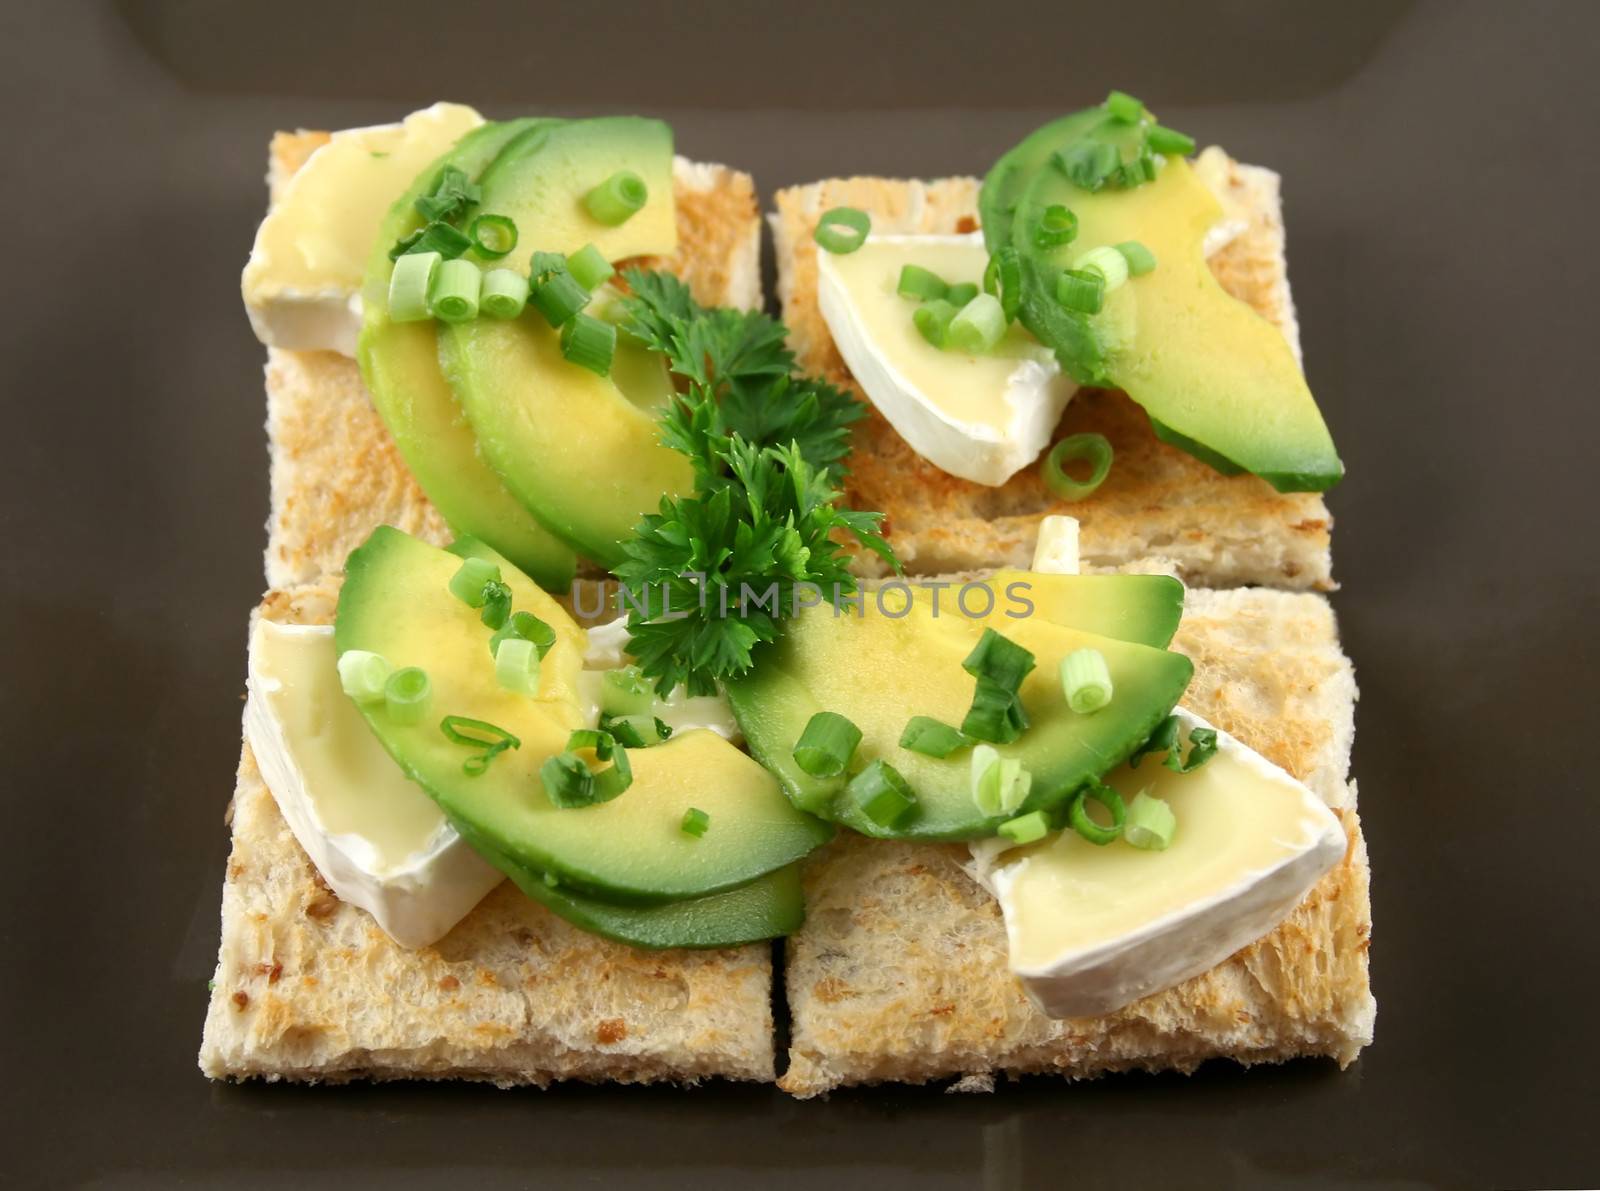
[(767, 908), (396, 602), (1217, 380), (879, 670), (580, 451), (400, 365)]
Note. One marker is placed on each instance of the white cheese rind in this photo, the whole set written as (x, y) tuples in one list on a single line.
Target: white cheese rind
[(1159, 953), (302, 283), (415, 899), (1034, 396)]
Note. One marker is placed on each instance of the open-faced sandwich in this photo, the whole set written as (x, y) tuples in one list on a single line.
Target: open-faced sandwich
[(615, 629)]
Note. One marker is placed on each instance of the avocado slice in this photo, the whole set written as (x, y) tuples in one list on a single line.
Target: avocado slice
[(1008, 178), (766, 908), (396, 602), (580, 451), (879, 670), (1144, 609), (400, 365), (1216, 378)]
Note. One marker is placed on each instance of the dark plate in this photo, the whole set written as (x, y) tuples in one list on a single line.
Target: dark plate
[(1440, 179)]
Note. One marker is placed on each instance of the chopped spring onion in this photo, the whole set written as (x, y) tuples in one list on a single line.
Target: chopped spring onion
[(826, 745), (363, 675), (695, 822), (589, 343), (505, 293), (567, 780), (1168, 140), (554, 292), (496, 605), (1081, 290), (589, 267), (1150, 824), (1094, 447), (920, 284), (409, 285), (516, 666), (1140, 259), (1028, 829), (842, 230), (882, 794), (459, 729), (999, 784), (1163, 739), (1086, 680), (1057, 226), (1124, 107), (636, 731), (447, 241), (1138, 171), (1202, 747), (618, 199), (931, 737), (626, 691), (406, 695), (999, 665), (978, 326), (592, 738), (1089, 163), (1003, 279), (933, 319), (471, 581), (493, 236), (453, 296), (453, 192), (1108, 262), (960, 294), (523, 626), (1078, 813)]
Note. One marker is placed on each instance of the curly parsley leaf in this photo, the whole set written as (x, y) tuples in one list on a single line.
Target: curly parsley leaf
[(740, 376)]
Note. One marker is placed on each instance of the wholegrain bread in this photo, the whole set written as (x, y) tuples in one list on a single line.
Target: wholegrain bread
[(308, 987), (335, 470), (900, 970), (1219, 531)]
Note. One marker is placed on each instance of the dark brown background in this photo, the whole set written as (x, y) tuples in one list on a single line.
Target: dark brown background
[(1439, 170)]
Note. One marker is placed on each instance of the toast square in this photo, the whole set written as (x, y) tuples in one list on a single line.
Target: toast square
[(900, 971), (335, 471), (308, 987), (1218, 531)]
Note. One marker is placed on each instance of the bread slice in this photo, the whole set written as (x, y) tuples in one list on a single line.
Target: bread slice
[(308, 987), (1218, 531), (336, 472), (900, 971)]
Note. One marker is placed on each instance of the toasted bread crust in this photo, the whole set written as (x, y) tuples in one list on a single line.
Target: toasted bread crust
[(900, 970), (336, 473), (1219, 531), (308, 987)]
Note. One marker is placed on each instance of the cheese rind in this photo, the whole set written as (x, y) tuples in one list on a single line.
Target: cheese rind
[(376, 838), (1092, 929), (302, 283)]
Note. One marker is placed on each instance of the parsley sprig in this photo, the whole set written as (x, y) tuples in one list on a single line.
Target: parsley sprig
[(712, 575)]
